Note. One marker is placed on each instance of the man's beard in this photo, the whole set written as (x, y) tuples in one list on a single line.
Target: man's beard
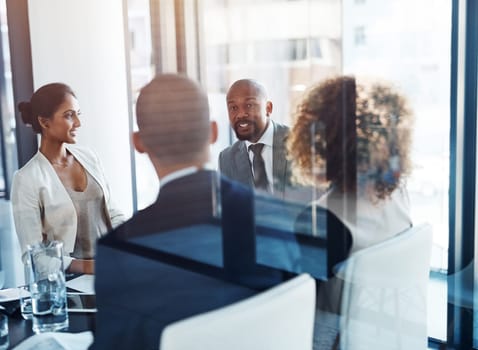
[(250, 135)]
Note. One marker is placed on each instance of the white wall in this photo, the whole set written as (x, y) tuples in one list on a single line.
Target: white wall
[(81, 43)]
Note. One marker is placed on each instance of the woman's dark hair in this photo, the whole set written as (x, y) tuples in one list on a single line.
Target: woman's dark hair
[(44, 102)]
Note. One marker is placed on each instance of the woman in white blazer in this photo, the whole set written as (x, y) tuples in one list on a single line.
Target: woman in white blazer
[(61, 193)]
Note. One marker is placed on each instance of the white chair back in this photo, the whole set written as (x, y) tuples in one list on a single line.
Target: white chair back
[(384, 301), (280, 318)]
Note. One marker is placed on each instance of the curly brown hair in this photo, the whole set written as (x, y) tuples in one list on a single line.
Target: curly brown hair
[(348, 134)]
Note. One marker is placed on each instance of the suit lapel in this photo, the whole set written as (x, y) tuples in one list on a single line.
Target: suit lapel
[(243, 165)]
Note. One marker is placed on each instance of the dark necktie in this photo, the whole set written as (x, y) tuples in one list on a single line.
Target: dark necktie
[(259, 167)]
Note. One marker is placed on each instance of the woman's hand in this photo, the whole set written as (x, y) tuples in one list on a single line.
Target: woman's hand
[(82, 266)]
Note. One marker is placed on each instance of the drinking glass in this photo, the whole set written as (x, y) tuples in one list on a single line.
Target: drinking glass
[(4, 332), (24, 291), (47, 287), (25, 302)]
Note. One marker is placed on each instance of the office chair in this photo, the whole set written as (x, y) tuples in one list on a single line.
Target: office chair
[(384, 300), (280, 318)]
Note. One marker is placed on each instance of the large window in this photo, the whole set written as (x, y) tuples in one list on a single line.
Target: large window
[(304, 47), (404, 47), (142, 70), (401, 47)]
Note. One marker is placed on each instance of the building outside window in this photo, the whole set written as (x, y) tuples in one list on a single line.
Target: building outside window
[(360, 36)]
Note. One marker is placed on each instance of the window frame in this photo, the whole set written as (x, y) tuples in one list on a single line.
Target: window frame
[(463, 138)]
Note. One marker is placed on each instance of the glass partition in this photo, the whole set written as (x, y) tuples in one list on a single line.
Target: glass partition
[(401, 42), (288, 46)]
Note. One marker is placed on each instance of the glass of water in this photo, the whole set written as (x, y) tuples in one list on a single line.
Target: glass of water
[(47, 287), (24, 291), (4, 332), (25, 302)]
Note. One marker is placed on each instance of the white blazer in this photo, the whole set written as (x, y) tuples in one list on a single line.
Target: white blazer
[(43, 209)]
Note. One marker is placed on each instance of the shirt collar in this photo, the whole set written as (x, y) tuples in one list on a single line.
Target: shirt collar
[(267, 137), (177, 174)]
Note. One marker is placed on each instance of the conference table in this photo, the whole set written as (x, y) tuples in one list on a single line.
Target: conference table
[(202, 262), (20, 329), (175, 303)]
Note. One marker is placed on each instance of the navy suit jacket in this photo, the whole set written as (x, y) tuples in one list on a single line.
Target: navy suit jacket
[(138, 294), (186, 201)]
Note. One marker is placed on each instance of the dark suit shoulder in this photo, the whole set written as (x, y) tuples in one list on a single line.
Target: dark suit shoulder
[(228, 151), (182, 202), (227, 160), (281, 129), (281, 132)]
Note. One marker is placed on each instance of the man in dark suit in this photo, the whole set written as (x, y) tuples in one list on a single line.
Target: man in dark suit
[(175, 132), (140, 285), (250, 117)]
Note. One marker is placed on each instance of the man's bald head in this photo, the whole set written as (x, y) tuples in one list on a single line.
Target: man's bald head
[(172, 114), (251, 85), (248, 109)]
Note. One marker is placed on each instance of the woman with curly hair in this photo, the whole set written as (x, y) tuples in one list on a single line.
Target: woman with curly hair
[(354, 139)]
